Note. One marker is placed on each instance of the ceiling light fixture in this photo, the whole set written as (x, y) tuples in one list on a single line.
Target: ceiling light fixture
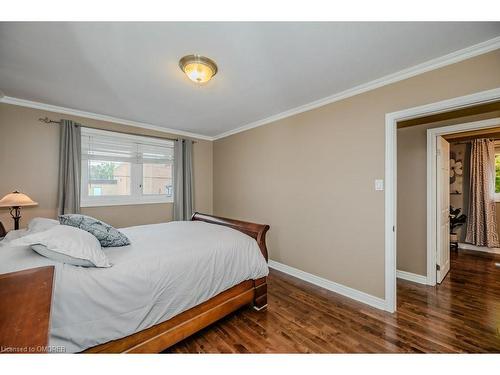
[(199, 69)]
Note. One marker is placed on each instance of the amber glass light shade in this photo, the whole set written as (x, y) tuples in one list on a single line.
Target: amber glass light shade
[(198, 68)]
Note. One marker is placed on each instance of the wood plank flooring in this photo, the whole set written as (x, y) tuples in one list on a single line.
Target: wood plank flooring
[(460, 315)]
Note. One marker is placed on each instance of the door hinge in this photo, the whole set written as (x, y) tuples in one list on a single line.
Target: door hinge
[(393, 228), (438, 267)]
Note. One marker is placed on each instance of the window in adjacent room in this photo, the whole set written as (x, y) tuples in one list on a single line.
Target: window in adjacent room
[(497, 175), (120, 169)]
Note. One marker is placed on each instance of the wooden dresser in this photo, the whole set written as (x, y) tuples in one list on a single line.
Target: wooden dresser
[(25, 300)]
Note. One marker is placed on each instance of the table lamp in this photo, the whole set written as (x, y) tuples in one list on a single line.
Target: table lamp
[(15, 201)]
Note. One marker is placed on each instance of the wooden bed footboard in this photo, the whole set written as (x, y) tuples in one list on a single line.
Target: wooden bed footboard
[(256, 231), (260, 297), (163, 335)]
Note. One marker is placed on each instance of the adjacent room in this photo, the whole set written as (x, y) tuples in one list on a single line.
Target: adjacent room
[(450, 242), (250, 187)]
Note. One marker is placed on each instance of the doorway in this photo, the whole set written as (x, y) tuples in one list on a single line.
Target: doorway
[(392, 119), (438, 184)]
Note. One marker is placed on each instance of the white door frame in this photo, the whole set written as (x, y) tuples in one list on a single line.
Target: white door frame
[(391, 120), (432, 218)]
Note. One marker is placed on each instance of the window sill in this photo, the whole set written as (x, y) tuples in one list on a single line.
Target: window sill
[(135, 202)]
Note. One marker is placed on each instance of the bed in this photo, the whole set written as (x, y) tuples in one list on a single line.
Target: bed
[(173, 280)]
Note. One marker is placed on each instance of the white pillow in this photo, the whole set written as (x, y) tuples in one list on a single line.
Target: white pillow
[(39, 224), (69, 241), (61, 258), (14, 234)]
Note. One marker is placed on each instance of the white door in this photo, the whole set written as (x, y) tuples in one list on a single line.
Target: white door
[(443, 209)]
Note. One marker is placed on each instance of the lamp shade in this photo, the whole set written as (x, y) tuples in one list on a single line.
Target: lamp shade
[(17, 199)]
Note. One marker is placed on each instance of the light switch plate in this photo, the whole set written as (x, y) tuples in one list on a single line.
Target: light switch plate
[(379, 184)]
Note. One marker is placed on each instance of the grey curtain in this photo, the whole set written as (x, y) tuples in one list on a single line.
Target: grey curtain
[(183, 179), (481, 220), (68, 199)]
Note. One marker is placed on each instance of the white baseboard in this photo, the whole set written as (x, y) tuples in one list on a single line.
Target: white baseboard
[(411, 277), (484, 249), (346, 291)]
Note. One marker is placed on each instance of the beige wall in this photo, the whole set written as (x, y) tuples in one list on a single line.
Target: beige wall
[(29, 162), (311, 176)]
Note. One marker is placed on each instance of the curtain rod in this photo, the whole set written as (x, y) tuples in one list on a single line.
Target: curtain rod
[(49, 121)]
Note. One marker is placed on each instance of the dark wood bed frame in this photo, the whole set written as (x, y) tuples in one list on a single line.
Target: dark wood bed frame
[(163, 335)]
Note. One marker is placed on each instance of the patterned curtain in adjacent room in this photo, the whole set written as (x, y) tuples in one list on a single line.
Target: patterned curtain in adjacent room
[(481, 222)]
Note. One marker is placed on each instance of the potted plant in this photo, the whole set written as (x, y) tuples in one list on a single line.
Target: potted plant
[(456, 220)]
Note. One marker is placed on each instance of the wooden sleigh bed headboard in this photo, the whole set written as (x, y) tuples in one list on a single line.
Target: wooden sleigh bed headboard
[(257, 231)]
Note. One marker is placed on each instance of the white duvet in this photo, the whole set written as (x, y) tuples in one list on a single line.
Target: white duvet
[(167, 269)]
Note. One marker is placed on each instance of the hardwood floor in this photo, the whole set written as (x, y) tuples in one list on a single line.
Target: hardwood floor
[(460, 315)]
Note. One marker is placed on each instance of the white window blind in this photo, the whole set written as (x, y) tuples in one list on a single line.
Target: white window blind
[(119, 148), (155, 154), (125, 169)]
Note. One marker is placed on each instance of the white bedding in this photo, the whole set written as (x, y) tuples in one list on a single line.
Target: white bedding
[(167, 269)]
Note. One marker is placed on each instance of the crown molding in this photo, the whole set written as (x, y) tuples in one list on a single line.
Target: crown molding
[(451, 58), (97, 116)]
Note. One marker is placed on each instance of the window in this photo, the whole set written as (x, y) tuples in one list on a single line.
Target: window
[(497, 175), (120, 169), (108, 178)]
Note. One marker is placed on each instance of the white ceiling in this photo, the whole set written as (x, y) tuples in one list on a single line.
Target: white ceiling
[(130, 70)]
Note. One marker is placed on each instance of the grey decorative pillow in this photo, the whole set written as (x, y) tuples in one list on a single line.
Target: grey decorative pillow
[(105, 233)]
